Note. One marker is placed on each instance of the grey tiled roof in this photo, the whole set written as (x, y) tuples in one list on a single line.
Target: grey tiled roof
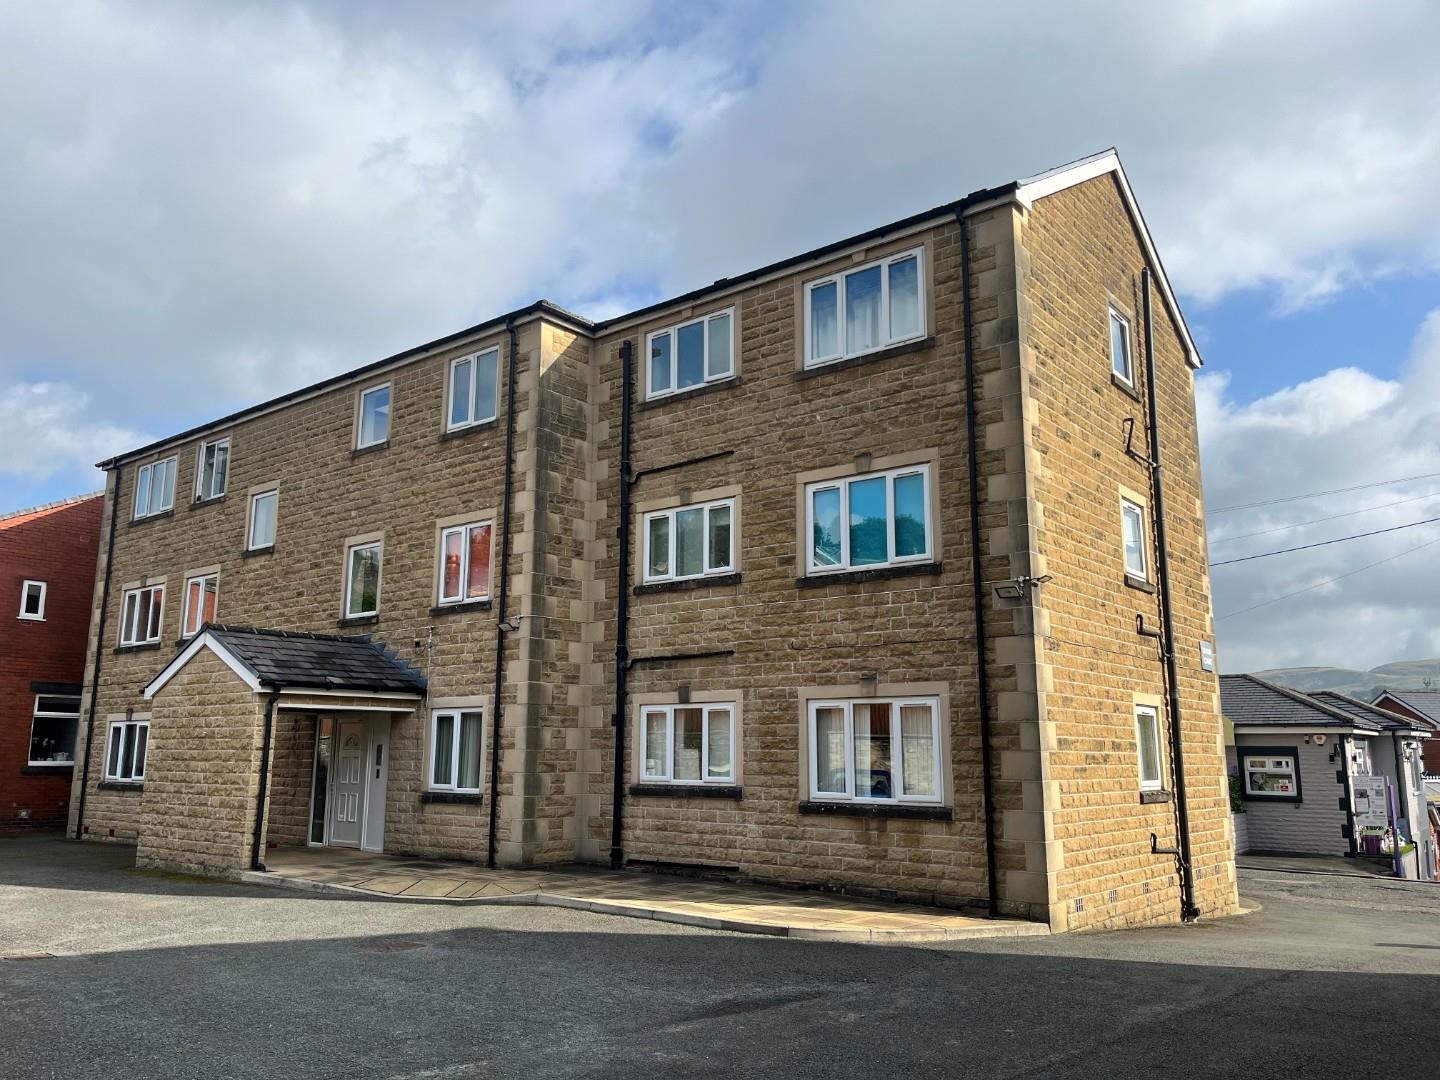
[(1246, 700), (317, 661), (1367, 715), (1425, 702)]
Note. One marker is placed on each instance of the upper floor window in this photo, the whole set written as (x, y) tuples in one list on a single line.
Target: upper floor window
[(1147, 738), (125, 753), (362, 580), (140, 613), (260, 532), (868, 308), (690, 541), (202, 592), (465, 563), (455, 748), (1132, 522), (474, 381), (374, 417), (692, 353), (155, 488), (1121, 362), (876, 750), (32, 600), (687, 744), (861, 522), (212, 469)]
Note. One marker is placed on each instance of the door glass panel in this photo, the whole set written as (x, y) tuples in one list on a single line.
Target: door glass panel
[(824, 317), (470, 750), (825, 541), (688, 741), (917, 742), (442, 770), (830, 750), (867, 522), (690, 355), (719, 362), (862, 310), (904, 298), (322, 782), (689, 543), (909, 515)]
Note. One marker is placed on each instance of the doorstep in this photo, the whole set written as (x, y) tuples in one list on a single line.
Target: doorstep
[(750, 909)]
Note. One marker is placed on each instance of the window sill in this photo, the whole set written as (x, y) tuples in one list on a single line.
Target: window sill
[(903, 349), (687, 584), (879, 573), (727, 383), (255, 553), (1271, 798), (1156, 797), (197, 504), (358, 620), (1133, 582), (469, 429), (373, 448), (877, 810), (51, 768), (686, 791), (149, 646), (31, 618), (1124, 386), (463, 606), (120, 785), (452, 798), (148, 518)]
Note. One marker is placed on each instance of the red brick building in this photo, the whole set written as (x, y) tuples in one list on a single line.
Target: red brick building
[(47, 584)]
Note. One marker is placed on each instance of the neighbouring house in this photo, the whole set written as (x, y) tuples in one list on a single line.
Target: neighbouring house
[(1303, 761), (47, 581), (842, 572), (1422, 705)]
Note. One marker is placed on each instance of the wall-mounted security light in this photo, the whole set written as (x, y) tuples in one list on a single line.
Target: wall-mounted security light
[(1015, 588)]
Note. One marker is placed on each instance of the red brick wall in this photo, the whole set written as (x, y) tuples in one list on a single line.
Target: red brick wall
[(1430, 748), (58, 546)]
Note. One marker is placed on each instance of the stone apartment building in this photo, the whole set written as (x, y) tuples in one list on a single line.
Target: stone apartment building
[(843, 572)]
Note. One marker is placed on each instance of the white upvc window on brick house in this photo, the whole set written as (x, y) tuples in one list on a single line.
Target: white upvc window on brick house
[(141, 611), (260, 527), (32, 600), (465, 563), (212, 469), (474, 389), (1132, 525), (687, 744), (125, 750), (868, 521), (1147, 740), (374, 426), (362, 580), (155, 488), (884, 750), (1122, 361), (690, 354), (202, 593), (868, 308), (52, 730), (689, 542), (456, 739)]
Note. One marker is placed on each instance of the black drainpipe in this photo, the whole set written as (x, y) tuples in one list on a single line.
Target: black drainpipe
[(99, 655), (501, 628), (1188, 910), (982, 681), (1342, 749), (622, 613), (256, 862)]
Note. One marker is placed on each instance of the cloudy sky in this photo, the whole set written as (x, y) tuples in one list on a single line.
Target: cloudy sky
[(208, 205)]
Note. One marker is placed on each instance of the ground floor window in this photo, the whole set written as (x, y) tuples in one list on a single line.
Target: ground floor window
[(455, 743), (125, 750), (1147, 737), (52, 730), (875, 750), (687, 744), (1270, 774)]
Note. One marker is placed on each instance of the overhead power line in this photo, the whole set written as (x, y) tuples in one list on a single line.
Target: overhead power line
[(1324, 543), (1318, 521), (1319, 494)]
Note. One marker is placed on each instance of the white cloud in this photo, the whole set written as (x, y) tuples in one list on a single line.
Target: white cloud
[(44, 431)]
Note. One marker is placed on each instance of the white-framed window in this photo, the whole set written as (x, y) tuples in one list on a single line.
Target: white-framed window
[(125, 750), (1270, 774), (1147, 739), (1132, 526), (362, 580), (862, 522), (864, 309), (140, 614), (52, 730), (474, 389), (202, 592), (155, 488), (876, 750), (212, 469), (690, 354), (687, 744), (1122, 363), (455, 749), (374, 417), (690, 541), (32, 600), (465, 562), (260, 532)]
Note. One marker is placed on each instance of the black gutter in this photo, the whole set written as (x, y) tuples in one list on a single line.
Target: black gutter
[(503, 599), (622, 612), (99, 657), (1188, 910), (977, 571), (263, 793)]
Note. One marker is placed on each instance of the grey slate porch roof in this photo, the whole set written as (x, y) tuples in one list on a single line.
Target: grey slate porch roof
[(284, 658), (1250, 702), (1387, 720)]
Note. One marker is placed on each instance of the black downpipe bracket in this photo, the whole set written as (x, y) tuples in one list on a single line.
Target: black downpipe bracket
[(982, 681), (1188, 910), (99, 657), (263, 792), (622, 613), (503, 599)]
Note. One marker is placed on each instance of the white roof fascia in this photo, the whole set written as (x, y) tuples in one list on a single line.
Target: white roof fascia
[(202, 641)]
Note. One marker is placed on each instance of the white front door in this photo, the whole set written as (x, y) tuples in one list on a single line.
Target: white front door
[(347, 803)]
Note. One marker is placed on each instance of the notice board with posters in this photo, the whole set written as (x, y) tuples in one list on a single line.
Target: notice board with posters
[(1372, 805)]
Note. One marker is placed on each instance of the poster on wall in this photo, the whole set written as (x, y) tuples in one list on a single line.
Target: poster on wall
[(1372, 815)]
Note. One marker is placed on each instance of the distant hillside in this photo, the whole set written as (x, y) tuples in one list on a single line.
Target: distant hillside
[(1365, 685)]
